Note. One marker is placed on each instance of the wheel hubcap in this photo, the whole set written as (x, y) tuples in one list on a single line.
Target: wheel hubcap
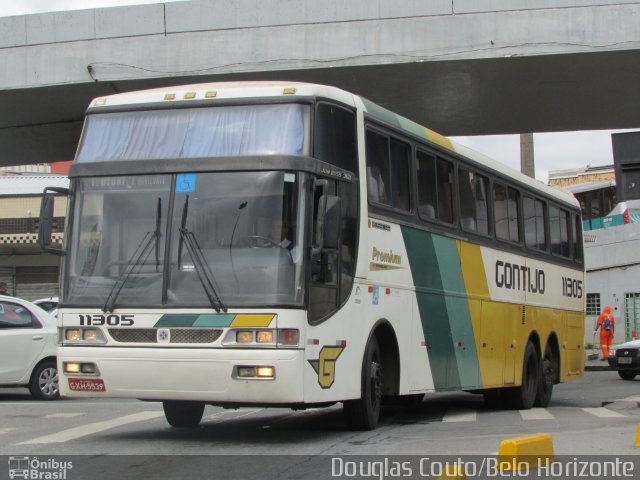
[(48, 382)]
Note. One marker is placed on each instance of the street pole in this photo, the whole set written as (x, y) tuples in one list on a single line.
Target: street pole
[(527, 164)]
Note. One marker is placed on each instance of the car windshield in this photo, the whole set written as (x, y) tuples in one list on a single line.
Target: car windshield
[(228, 239)]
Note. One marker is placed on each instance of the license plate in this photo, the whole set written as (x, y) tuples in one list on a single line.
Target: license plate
[(625, 360), (86, 385)]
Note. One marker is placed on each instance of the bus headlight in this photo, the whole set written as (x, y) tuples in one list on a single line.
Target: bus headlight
[(281, 337), (264, 336), (83, 336), (92, 335), (244, 336), (72, 334)]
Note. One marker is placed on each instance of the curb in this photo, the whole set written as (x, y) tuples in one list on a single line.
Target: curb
[(599, 368)]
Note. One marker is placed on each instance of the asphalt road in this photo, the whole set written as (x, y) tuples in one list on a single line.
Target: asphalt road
[(596, 415)]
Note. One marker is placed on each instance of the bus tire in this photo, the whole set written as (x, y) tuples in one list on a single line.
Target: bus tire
[(363, 413), (181, 414), (547, 378), (524, 396)]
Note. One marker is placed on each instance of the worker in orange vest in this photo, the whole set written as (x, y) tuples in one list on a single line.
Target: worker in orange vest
[(607, 324)]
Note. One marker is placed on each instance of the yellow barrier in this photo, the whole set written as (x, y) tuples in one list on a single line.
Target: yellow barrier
[(453, 471), (530, 450), (638, 437)]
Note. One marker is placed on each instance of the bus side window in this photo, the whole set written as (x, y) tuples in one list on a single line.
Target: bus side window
[(577, 239), (474, 205), (377, 168), (435, 188), (534, 223), (335, 137), (388, 180), (506, 212), (559, 229)]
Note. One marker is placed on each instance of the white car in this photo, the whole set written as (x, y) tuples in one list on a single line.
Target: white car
[(28, 346), (49, 304)]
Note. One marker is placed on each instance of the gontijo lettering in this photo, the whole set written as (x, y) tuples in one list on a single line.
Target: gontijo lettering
[(519, 277)]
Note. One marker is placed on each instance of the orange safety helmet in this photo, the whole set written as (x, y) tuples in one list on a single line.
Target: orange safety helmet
[(607, 309)]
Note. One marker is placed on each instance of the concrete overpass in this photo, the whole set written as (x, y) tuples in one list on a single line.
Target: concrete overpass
[(462, 67)]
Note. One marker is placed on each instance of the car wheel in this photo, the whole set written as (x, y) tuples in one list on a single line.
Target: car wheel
[(363, 413), (44, 382), (627, 375), (181, 414)]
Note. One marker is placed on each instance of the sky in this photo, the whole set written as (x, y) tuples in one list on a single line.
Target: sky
[(551, 150)]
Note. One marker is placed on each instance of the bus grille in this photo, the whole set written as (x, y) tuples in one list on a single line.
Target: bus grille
[(178, 335)]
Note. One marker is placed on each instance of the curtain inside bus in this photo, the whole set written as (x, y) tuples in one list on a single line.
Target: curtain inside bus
[(196, 132)]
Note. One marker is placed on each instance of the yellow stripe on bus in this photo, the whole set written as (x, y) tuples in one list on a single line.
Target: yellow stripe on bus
[(253, 320), (439, 139)]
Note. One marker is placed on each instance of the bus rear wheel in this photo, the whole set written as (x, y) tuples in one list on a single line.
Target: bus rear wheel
[(181, 414), (524, 396), (363, 413), (547, 377)]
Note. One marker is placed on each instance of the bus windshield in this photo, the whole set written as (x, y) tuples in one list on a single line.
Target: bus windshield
[(196, 133), (178, 240)]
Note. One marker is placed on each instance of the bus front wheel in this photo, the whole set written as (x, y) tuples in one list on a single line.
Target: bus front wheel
[(363, 413), (524, 396), (181, 414)]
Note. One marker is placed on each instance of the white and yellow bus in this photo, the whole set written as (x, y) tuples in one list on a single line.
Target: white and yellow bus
[(295, 245)]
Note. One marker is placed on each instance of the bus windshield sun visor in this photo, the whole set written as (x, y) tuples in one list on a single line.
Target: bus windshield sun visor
[(200, 264), (137, 260)]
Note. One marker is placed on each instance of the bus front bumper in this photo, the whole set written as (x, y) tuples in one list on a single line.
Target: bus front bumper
[(208, 375)]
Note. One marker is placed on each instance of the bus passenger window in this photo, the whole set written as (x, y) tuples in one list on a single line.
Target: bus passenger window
[(388, 180), (377, 168), (473, 201), (400, 174), (505, 207), (577, 237), (427, 194), (435, 188), (559, 231), (445, 190), (534, 224)]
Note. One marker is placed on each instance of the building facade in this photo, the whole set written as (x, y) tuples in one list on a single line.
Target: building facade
[(29, 272)]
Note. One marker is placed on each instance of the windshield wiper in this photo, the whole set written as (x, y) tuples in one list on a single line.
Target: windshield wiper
[(205, 275), (137, 260)]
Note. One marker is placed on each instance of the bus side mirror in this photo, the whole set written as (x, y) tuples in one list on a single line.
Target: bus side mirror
[(45, 225)]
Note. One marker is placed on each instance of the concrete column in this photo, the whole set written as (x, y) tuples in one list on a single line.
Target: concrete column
[(527, 164)]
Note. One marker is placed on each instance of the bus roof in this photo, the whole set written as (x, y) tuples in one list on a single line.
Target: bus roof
[(261, 89)]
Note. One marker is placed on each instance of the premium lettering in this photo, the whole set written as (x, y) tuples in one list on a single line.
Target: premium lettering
[(386, 257)]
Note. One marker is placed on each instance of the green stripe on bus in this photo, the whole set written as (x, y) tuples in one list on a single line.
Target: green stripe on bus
[(382, 113), (179, 320), (432, 307), (221, 320), (458, 310), (444, 310)]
